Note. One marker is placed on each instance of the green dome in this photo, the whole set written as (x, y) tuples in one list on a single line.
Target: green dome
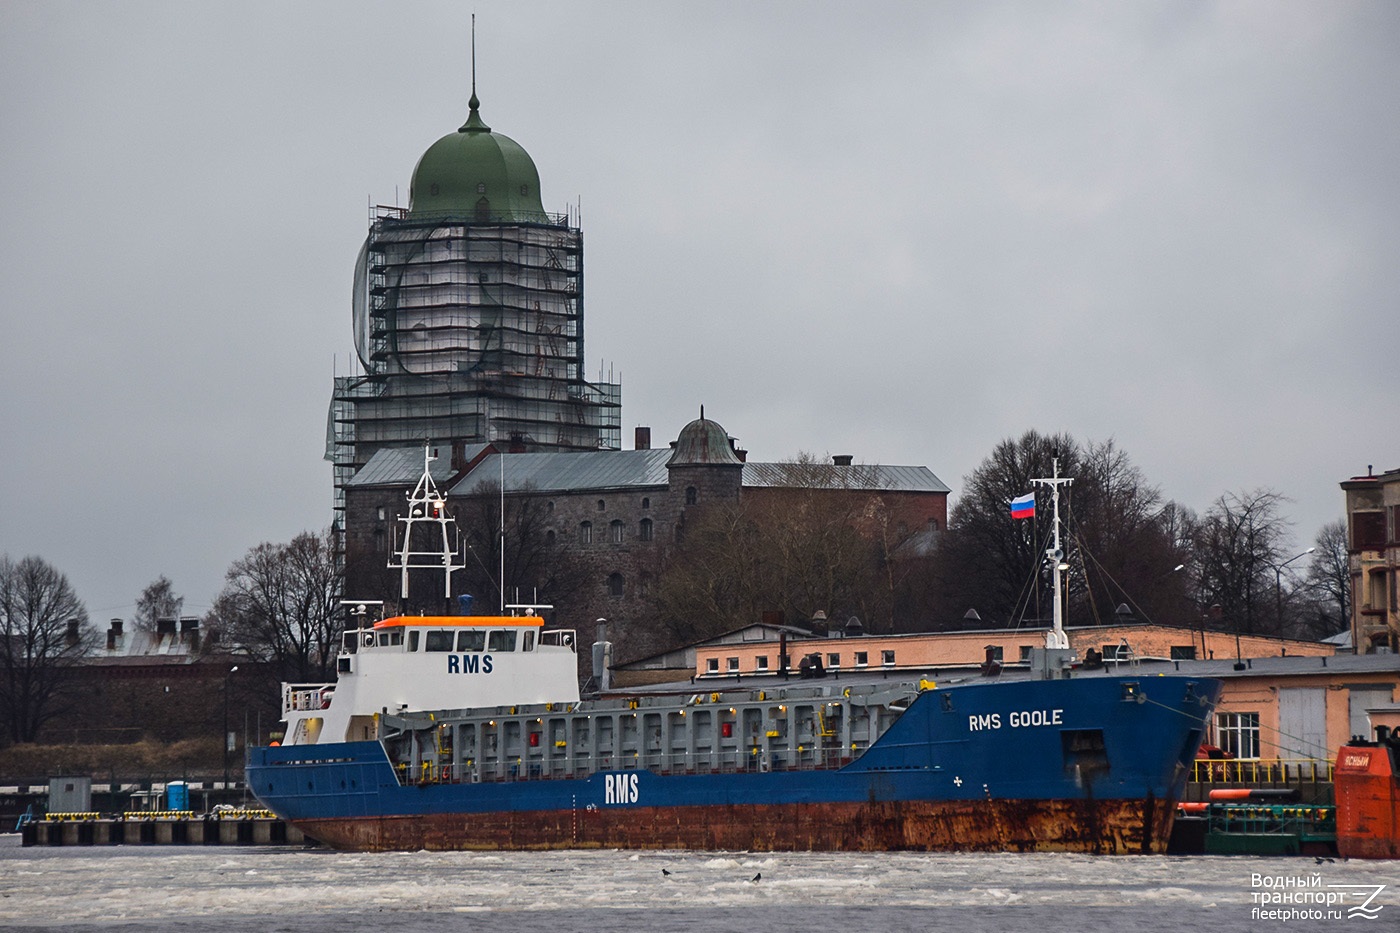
[(477, 174)]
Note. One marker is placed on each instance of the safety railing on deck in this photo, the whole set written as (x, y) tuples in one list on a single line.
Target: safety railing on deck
[(303, 697), (1261, 771)]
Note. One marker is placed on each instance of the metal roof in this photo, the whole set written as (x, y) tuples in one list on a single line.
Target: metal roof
[(856, 477), (565, 471), (403, 466), (573, 471)]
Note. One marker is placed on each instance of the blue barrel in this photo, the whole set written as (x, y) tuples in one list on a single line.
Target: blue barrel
[(177, 795)]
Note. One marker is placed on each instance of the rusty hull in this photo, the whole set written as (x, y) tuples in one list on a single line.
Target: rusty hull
[(1088, 826)]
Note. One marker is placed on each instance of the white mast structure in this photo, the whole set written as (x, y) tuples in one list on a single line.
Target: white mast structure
[(1056, 637), (427, 506)]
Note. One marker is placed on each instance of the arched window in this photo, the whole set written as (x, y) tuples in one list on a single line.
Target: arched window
[(615, 584), (646, 503), (644, 530), (615, 532), (692, 495), (602, 506), (585, 532), (549, 538)]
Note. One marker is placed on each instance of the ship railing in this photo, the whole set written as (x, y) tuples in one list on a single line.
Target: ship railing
[(724, 761), (1261, 771), (306, 697)]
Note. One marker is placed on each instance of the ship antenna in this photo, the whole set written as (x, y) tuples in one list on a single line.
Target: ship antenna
[(1056, 637), (426, 505)]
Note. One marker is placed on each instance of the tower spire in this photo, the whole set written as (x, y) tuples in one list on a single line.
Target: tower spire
[(474, 121)]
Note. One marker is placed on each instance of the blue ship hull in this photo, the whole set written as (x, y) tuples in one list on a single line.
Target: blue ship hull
[(1094, 764)]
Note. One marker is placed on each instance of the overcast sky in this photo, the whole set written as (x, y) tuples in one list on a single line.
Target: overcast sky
[(903, 231)]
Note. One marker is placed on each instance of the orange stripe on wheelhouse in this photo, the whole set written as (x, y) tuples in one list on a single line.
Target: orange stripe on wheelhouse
[(461, 621)]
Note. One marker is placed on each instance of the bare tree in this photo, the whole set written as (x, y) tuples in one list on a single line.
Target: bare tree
[(535, 569), (988, 561), (1239, 543), (1122, 541), (818, 539), (43, 632), (157, 601), (280, 603), (1328, 582)]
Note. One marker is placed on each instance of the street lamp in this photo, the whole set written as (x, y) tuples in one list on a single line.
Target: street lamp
[(1278, 584), (227, 743)]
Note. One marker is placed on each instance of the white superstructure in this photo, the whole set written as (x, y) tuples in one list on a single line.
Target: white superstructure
[(429, 663), (416, 663)]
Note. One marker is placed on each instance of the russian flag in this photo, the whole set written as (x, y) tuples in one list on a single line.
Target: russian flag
[(1023, 506)]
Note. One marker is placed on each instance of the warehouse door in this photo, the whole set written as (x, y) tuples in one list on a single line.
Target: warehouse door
[(1302, 722)]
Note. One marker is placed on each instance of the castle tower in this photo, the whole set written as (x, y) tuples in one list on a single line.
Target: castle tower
[(468, 316)]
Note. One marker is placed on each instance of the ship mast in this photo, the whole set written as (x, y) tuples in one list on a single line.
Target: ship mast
[(426, 506), (1056, 637)]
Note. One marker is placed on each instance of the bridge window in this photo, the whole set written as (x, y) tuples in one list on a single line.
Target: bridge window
[(501, 641), (471, 641), (438, 641), (413, 641)]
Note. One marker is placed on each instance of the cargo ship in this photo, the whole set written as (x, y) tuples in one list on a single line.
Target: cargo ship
[(451, 732)]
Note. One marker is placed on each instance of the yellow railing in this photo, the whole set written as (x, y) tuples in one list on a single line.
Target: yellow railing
[(1260, 770)]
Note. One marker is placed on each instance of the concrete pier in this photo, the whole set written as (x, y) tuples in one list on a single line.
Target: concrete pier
[(167, 829)]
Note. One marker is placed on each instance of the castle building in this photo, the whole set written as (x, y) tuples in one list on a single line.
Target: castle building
[(614, 515), (468, 316), (468, 327)]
